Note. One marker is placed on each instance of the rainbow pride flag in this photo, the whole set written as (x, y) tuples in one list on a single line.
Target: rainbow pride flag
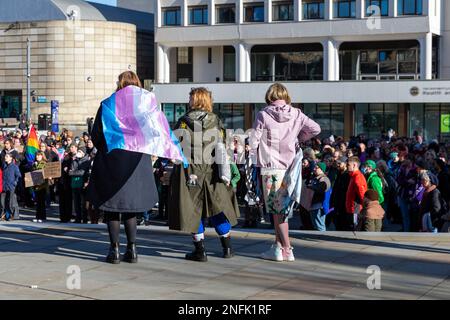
[(32, 145), (132, 121)]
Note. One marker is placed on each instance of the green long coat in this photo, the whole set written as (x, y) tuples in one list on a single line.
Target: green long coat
[(210, 196)]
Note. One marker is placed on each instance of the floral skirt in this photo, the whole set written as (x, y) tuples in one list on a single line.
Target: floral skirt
[(275, 192)]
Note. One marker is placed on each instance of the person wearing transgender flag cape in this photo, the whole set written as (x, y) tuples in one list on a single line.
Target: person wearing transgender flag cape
[(128, 129)]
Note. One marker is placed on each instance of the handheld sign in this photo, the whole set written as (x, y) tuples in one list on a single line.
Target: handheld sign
[(34, 178), (52, 170)]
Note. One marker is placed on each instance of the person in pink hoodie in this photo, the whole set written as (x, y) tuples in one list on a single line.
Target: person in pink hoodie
[(275, 132)]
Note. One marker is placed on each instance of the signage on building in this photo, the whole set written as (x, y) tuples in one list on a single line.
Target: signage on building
[(168, 111), (445, 123), (55, 115), (42, 99), (430, 91), (179, 112)]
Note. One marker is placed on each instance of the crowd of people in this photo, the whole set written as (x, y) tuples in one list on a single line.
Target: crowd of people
[(75, 154), (358, 184), (364, 184)]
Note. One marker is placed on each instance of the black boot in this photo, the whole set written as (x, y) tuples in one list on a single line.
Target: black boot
[(199, 254), (131, 254), (226, 245), (114, 254)]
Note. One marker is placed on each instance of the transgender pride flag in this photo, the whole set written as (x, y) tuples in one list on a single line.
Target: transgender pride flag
[(132, 121)]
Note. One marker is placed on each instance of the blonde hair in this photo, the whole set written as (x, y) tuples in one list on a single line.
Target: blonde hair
[(201, 99), (277, 92), (128, 78)]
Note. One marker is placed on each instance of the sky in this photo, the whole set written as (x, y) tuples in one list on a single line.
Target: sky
[(108, 2)]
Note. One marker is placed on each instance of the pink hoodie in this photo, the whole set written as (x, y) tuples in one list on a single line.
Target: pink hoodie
[(276, 130)]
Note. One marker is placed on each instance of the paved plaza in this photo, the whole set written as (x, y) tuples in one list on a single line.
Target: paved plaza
[(35, 258)]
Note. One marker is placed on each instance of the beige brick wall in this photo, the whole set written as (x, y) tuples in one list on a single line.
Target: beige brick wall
[(62, 58)]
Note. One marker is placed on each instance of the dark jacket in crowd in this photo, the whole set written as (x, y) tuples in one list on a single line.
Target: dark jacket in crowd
[(320, 185), (210, 196), (11, 176), (431, 202), (13, 152), (444, 185), (339, 192), (120, 179), (79, 166), (51, 156)]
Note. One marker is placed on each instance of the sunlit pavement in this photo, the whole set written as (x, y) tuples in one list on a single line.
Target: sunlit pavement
[(41, 261)]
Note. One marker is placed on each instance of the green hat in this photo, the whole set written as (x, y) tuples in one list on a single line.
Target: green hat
[(322, 166), (371, 163)]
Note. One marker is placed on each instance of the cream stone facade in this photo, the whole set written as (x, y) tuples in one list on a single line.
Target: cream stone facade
[(74, 62)]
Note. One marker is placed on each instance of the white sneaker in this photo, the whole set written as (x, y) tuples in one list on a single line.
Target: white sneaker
[(40, 221), (35, 220), (275, 253), (288, 255)]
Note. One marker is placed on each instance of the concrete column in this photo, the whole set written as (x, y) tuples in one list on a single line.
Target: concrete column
[(158, 15), (185, 14), (166, 65), (243, 63), (330, 60), (240, 12), (160, 62), (268, 11), (393, 8), (298, 10), (212, 12), (329, 10), (360, 9), (426, 56)]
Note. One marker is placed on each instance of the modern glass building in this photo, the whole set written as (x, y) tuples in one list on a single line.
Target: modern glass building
[(355, 66)]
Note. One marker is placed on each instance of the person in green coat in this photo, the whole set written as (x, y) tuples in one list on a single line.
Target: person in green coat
[(197, 192), (235, 176), (374, 179), (40, 191)]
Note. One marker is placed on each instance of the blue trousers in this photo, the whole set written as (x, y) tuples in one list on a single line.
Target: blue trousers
[(220, 223), (318, 219)]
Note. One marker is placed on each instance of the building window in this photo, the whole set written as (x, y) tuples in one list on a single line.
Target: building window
[(330, 117), (287, 63), (344, 8), (184, 64), (198, 15), (10, 104), (313, 9), (226, 14), (432, 121), (209, 55), (283, 11), (409, 7), (173, 112), (402, 63), (232, 115), (383, 7), (172, 16), (229, 64), (374, 118), (254, 12)]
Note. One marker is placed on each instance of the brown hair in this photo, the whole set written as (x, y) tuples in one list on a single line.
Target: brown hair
[(44, 158), (277, 92), (372, 195), (128, 78), (354, 159), (201, 99)]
